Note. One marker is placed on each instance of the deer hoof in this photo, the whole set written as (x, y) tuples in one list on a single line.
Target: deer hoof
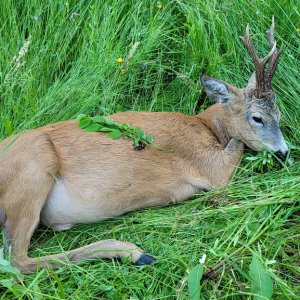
[(145, 259)]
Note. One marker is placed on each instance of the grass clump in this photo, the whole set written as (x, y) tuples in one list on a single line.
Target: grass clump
[(61, 58)]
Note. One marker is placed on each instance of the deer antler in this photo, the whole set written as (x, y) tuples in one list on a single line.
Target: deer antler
[(263, 77)]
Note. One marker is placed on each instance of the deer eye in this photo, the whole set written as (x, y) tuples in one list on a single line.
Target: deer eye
[(258, 120)]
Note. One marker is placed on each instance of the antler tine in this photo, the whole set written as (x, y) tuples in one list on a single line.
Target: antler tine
[(270, 54), (249, 44), (275, 55), (270, 33), (258, 63)]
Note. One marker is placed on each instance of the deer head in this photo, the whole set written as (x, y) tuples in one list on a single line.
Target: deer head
[(252, 115)]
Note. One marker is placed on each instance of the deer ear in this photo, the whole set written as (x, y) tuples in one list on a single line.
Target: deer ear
[(216, 90)]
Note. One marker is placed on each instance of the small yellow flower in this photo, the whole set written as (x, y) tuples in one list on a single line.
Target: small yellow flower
[(298, 29), (122, 70), (120, 60), (159, 5)]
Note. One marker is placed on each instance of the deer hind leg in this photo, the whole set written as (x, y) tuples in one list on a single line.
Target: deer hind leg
[(110, 249), (22, 202)]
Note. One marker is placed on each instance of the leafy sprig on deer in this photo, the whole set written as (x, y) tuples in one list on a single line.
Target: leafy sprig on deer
[(115, 130)]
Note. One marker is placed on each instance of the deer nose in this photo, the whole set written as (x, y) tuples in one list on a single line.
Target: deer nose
[(281, 155)]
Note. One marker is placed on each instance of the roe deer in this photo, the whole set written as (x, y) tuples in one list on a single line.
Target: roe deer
[(59, 175)]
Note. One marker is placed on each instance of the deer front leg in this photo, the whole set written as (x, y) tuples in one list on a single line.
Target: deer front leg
[(224, 162)]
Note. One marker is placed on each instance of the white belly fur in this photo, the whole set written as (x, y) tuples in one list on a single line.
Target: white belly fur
[(62, 210), (69, 205)]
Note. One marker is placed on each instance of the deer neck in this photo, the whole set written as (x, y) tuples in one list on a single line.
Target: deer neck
[(217, 120)]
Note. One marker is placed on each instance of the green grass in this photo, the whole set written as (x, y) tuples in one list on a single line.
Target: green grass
[(71, 67)]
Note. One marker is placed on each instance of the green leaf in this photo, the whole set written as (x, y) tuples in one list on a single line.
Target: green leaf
[(252, 227), (6, 267), (125, 126), (6, 283), (93, 128), (59, 285), (106, 129), (261, 282), (99, 119), (149, 139), (108, 121), (10, 269), (140, 132), (8, 127), (85, 122), (4, 262), (79, 117), (194, 281), (115, 134), (37, 292), (251, 158)]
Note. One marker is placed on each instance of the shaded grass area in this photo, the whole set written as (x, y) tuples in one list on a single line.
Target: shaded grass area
[(70, 67)]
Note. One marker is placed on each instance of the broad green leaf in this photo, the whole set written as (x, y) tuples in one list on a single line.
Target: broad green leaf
[(4, 262), (6, 267), (92, 127), (6, 283), (261, 282), (115, 134), (84, 122), (79, 117), (194, 281), (140, 132), (149, 139), (8, 127), (10, 269), (99, 119)]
